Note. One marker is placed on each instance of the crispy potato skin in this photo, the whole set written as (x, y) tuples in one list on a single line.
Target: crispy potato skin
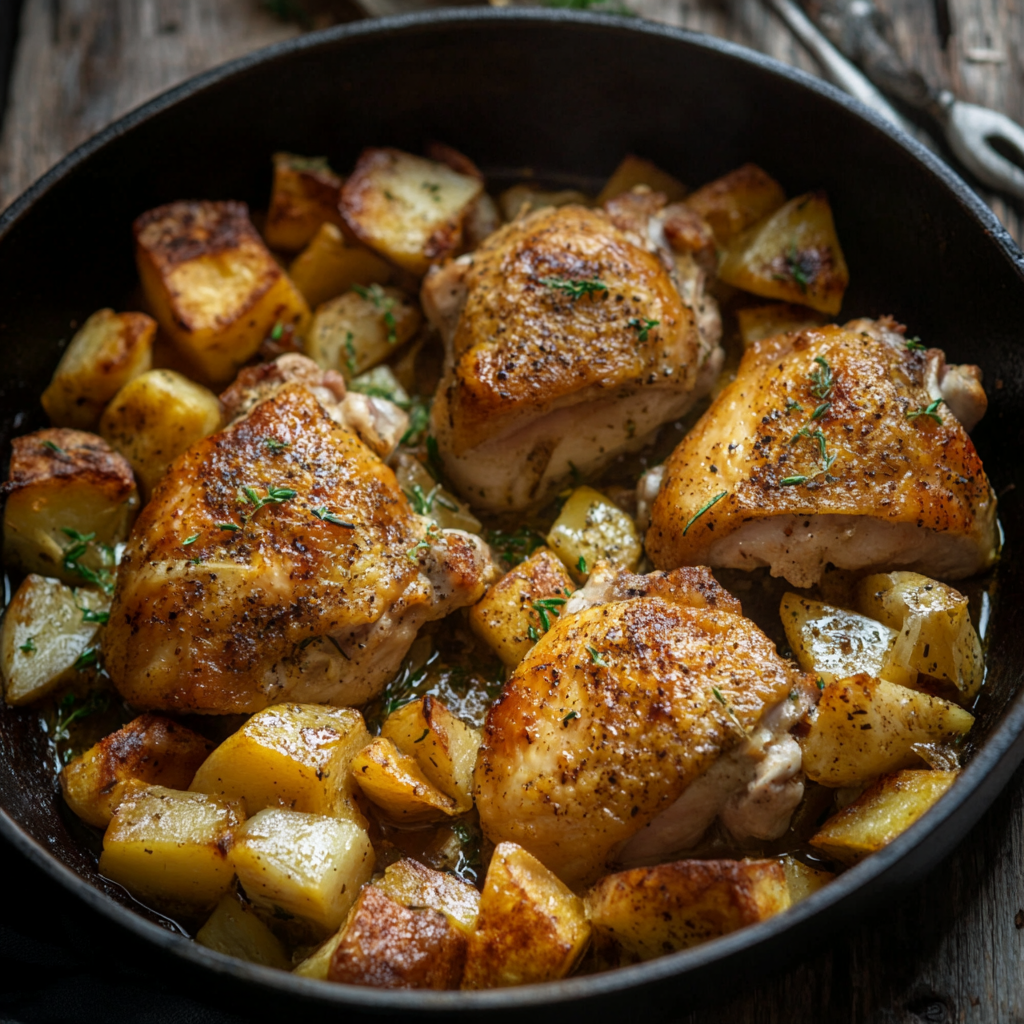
[(415, 885), (397, 785), (305, 196), (149, 749), (386, 945), (737, 201), (914, 472), (635, 170), (644, 913)]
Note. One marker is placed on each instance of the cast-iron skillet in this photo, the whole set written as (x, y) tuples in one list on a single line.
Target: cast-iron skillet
[(565, 94)]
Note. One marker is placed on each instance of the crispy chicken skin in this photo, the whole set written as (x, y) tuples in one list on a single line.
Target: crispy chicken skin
[(539, 381), (624, 704), (294, 603), (904, 490)]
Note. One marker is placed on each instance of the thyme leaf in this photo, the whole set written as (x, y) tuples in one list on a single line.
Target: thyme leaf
[(29, 646), (276, 446), (643, 326), (55, 448), (576, 288), (325, 515), (596, 657), (931, 410)]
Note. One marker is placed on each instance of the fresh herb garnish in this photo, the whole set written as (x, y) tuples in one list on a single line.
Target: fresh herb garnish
[(792, 406), (325, 515), (375, 294), (516, 547), (821, 379), (101, 578), (702, 510), (821, 683), (643, 326), (434, 464), (569, 717), (931, 410), (426, 733), (419, 420), (576, 288), (793, 481), (795, 268), (275, 495), (276, 446), (29, 646), (230, 527), (190, 540), (547, 607), (822, 382), (581, 565), (55, 448), (87, 658), (98, 700), (423, 504), (277, 331), (596, 657), (728, 709), (432, 534), (531, 632), (915, 344), (88, 615)]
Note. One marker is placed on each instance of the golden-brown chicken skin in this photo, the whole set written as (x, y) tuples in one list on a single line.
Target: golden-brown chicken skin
[(568, 342), (279, 560), (833, 445), (618, 709)]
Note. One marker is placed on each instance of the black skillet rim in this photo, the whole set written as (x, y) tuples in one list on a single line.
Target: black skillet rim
[(1003, 749)]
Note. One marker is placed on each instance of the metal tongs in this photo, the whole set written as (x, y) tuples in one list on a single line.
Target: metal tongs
[(978, 136)]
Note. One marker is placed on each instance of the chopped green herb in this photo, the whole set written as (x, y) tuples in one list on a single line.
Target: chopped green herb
[(275, 495), (931, 411), (821, 410), (29, 646), (792, 406), (792, 695), (230, 527), (576, 288), (190, 540), (55, 448), (531, 632), (419, 420), (87, 658), (596, 657), (702, 510), (426, 733), (413, 553), (728, 709), (276, 446), (277, 331), (322, 513), (792, 481), (821, 683), (98, 700), (100, 578), (643, 326), (569, 717), (434, 463), (915, 344), (423, 504), (581, 565), (375, 294), (514, 548), (546, 607), (196, 560), (796, 269), (821, 379), (88, 615)]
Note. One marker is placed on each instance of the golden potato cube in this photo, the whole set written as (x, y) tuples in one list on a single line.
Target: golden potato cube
[(507, 618), (304, 866), (793, 255), (213, 285), (396, 784), (413, 884), (429, 498), (408, 209), (235, 929), (149, 750), (802, 879), (443, 746), (633, 171), (936, 636), (880, 814), (387, 945), (304, 197), (290, 755), (737, 201), (170, 849), (108, 351), (361, 328), (757, 322), (331, 264), (70, 501), (318, 963), (155, 418), (524, 198), (834, 643), (644, 913), (530, 928), (864, 727), (46, 629), (591, 528)]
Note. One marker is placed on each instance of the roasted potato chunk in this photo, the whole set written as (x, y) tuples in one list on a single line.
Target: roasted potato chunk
[(150, 749), (396, 784), (864, 727), (414, 885), (524, 198), (108, 351), (880, 814), (643, 913), (331, 264), (757, 322), (530, 928), (443, 746), (635, 170), (304, 197), (235, 929), (591, 528), (318, 963), (737, 201), (507, 618), (170, 849), (387, 945), (213, 285), (408, 209), (802, 879), (155, 418), (290, 755), (361, 328), (835, 643), (429, 498), (935, 634), (303, 866), (70, 501), (47, 629), (793, 255)]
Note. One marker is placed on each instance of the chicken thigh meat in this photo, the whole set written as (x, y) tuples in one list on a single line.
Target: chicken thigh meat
[(651, 707)]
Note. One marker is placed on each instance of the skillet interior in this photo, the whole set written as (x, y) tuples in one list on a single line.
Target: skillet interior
[(565, 95)]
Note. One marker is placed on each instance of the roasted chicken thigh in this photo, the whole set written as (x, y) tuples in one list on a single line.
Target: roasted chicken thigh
[(649, 708), (843, 445), (279, 560), (568, 341)]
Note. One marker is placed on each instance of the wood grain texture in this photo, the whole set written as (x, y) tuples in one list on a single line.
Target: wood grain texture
[(950, 950)]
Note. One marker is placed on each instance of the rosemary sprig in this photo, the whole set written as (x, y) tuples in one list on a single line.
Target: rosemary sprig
[(55, 448), (728, 710), (546, 607), (325, 515), (696, 515), (275, 496), (576, 288), (931, 410)]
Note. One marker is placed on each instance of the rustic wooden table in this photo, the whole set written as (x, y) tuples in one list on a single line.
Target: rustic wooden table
[(952, 949)]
